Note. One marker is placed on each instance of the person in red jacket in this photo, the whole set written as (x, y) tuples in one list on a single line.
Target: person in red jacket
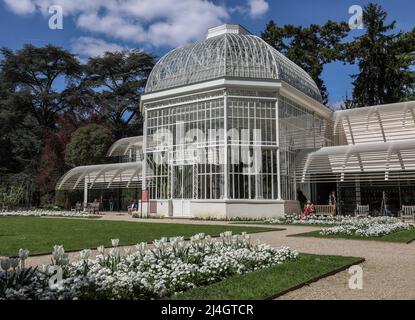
[(308, 210)]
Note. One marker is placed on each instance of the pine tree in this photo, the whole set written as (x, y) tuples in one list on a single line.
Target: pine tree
[(309, 47), (384, 59)]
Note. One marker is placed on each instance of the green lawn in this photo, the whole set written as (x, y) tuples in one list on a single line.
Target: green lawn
[(271, 282), (405, 236), (40, 234)]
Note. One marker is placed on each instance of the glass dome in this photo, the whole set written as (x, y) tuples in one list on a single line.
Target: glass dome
[(229, 51)]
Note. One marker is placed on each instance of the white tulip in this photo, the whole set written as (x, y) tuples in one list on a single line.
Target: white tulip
[(64, 260), (14, 263), (114, 252), (5, 264), (101, 249), (84, 254), (23, 254), (115, 242)]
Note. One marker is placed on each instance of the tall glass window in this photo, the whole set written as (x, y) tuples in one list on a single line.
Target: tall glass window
[(299, 129), (192, 165), (252, 148)]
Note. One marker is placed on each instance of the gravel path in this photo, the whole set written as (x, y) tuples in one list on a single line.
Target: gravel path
[(388, 272)]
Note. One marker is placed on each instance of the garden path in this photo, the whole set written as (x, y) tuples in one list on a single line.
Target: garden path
[(388, 272)]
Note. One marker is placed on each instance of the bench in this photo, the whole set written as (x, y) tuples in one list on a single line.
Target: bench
[(93, 207), (407, 212), (361, 211), (325, 210), (77, 207)]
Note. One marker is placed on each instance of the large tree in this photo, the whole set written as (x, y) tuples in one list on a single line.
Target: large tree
[(47, 76), (384, 58), (310, 47), (88, 145), (113, 85)]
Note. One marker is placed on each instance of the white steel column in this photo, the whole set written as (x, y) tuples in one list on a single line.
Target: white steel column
[(145, 143), (85, 193), (225, 145), (277, 135)]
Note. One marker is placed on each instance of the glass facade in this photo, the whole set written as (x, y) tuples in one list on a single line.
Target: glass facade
[(188, 165), (299, 130), (252, 148), (186, 145)]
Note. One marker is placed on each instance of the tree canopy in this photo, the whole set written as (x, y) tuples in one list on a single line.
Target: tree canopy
[(309, 47), (113, 86), (34, 74), (88, 145), (385, 59), (46, 93)]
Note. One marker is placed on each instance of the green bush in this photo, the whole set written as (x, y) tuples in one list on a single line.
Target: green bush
[(51, 207), (13, 196)]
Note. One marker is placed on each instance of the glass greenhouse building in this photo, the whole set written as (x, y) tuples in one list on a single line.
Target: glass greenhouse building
[(235, 129)]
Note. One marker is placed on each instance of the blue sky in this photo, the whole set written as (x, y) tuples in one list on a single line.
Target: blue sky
[(93, 26)]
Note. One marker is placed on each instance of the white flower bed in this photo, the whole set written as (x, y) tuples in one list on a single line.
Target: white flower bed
[(367, 230), (365, 227), (40, 213), (168, 267)]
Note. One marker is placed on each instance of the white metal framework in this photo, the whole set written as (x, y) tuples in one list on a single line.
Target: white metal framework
[(124, 146), (285, 127), (232, 99), (379, 144), (126, 174), (102, 176), (229, 54)]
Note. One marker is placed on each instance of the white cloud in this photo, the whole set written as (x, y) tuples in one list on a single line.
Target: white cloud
[(257, 8), (21, 6), (92, 47), (148, 22), (253, 8), (112, 25)]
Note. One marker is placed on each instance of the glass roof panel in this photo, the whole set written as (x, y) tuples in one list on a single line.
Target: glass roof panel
[(233, 55)]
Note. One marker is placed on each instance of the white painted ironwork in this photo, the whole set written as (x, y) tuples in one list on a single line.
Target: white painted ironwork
[(123, 146), (115, 175), (228, 53)]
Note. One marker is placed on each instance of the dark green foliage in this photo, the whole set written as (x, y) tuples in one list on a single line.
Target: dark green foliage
[(310, 47), (46, 94), (32, 74), (384, 58), (88, 145), (113, 85), (16, 279)]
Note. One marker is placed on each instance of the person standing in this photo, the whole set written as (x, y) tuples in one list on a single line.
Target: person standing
[(301, 198), (333, 201), (385, 200), (111, 204)]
